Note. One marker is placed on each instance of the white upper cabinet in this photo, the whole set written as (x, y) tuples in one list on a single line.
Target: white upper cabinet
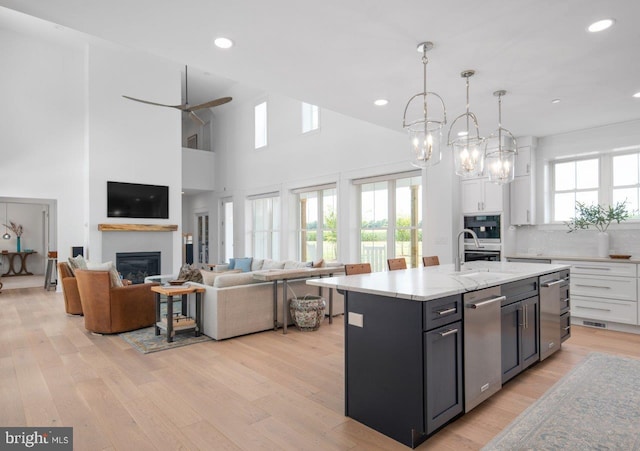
[(522, 189), (481, 196)]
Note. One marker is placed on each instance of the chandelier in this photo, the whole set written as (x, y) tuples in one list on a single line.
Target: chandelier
[(425, 132), (468, 152), (500, 160)]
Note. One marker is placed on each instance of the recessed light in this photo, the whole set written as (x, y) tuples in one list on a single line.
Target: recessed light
[(463, 133), (223, 43), (600, 25), (381, 102), (555, 101), (637, 95)]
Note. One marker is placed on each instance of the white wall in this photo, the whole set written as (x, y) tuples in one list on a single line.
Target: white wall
[(42, 128), (68, 130), (553, 239), (342, 149)]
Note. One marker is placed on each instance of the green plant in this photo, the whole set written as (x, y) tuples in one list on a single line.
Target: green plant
[(597, 216)]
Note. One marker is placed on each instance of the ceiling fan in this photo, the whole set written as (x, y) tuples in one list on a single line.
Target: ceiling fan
[(185, 107)]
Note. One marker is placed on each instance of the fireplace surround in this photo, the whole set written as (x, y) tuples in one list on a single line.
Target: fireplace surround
[(135, 266)]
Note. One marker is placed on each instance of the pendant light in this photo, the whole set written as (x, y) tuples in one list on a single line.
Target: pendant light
[(500, 161), (468, 151), (6, 235), (425, 132)]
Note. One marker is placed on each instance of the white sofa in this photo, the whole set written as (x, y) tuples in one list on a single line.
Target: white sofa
[(237, 304)]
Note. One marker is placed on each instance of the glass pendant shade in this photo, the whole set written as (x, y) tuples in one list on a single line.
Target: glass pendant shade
[(425, 141), (467, 146), (6, 236), (425, 131), (501, 151)]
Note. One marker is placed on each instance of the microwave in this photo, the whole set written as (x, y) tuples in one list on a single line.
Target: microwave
[(486, 227)]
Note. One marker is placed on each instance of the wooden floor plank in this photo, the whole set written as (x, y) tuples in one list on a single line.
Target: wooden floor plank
[(261, 391)]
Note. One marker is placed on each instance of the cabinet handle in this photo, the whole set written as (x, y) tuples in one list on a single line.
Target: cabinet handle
[(565, 301), (479, 206), (528, 167), (594, 308), (528, 219), (449, 332), (603, 268), (592, 286), (566, 328), (487, 302), (550, 284), (524, 319), (447, 311)]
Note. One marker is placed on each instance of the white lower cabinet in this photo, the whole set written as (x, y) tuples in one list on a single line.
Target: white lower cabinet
[(604, 292)]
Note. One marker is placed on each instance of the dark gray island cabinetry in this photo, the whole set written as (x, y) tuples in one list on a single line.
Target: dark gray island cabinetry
[(403, 364), (425, 345)]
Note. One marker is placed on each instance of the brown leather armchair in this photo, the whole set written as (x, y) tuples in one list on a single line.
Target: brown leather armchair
[(72, 303), (110, 310)]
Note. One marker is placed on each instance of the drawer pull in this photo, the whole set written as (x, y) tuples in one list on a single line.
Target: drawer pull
[(447, 311), (594, 308), (592, 286), (566, 301), (550, 284), (487, 302), (449, 332), (566, 328), (599, 268)]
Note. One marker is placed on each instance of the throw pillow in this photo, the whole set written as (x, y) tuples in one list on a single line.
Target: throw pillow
[(290, 264), (190, 273), (256, 264), (318, 263), (244, 264), (114, 275), (77, 263), (272, 264), (232, 263), (221, 268), (209, 277)]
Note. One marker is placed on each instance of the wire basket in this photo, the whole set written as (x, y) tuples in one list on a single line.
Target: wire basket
[(307, 312)]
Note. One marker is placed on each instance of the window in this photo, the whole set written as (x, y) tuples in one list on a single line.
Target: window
[(226, 227), (391, 219), (260, 116), (264, 233), (626, 180), (574, 181), (310, 118), (317, 225)]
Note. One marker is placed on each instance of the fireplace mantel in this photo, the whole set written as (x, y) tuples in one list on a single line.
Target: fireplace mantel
[(137, 227)]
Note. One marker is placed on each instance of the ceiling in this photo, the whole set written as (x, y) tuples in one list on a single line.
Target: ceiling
[(343, 55)]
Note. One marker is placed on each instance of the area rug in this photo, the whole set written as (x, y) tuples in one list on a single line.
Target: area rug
[(146, 341), (595, 406)]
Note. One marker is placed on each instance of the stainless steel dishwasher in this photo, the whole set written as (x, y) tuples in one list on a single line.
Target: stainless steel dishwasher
[(553, 295), (482, 345)]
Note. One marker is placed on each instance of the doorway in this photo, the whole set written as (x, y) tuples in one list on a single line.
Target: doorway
[(202, 224)]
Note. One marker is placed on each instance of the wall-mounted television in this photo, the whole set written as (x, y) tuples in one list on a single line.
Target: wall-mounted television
[(135, 200)]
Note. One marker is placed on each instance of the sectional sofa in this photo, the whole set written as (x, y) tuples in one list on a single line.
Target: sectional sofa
[(235, 303)]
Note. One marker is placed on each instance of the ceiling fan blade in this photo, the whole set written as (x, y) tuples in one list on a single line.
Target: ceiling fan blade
[(212, 103), (195, 118), (180, 107)]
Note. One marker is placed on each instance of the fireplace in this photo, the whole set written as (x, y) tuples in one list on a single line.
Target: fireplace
[(135, 266)]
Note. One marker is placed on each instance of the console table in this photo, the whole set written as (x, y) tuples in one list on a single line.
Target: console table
[(23, 263), (284, 275)]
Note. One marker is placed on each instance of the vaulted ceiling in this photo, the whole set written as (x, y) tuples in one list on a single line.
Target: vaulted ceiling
[(343, 55)]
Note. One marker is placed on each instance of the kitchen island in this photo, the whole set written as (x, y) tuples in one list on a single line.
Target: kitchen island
[(424, 345)]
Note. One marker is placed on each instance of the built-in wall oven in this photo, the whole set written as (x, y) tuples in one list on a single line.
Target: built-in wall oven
[(487, 228)]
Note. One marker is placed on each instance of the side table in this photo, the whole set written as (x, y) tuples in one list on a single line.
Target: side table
[(182, 291)]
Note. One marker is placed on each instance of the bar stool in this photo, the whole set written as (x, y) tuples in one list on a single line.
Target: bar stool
[(52, 259)]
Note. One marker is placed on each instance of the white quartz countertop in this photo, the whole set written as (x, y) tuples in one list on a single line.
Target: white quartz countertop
[(433, 282), (633, 259)]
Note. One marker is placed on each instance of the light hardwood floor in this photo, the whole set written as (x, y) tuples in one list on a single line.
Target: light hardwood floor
[(261, 391)]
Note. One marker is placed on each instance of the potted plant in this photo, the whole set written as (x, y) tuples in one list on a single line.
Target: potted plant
[(599, 217)]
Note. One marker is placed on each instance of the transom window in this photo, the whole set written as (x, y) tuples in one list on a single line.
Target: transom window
[(260, 117), (310, 117)]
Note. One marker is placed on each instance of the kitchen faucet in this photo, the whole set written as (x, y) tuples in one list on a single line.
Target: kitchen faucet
[(460, 257)]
